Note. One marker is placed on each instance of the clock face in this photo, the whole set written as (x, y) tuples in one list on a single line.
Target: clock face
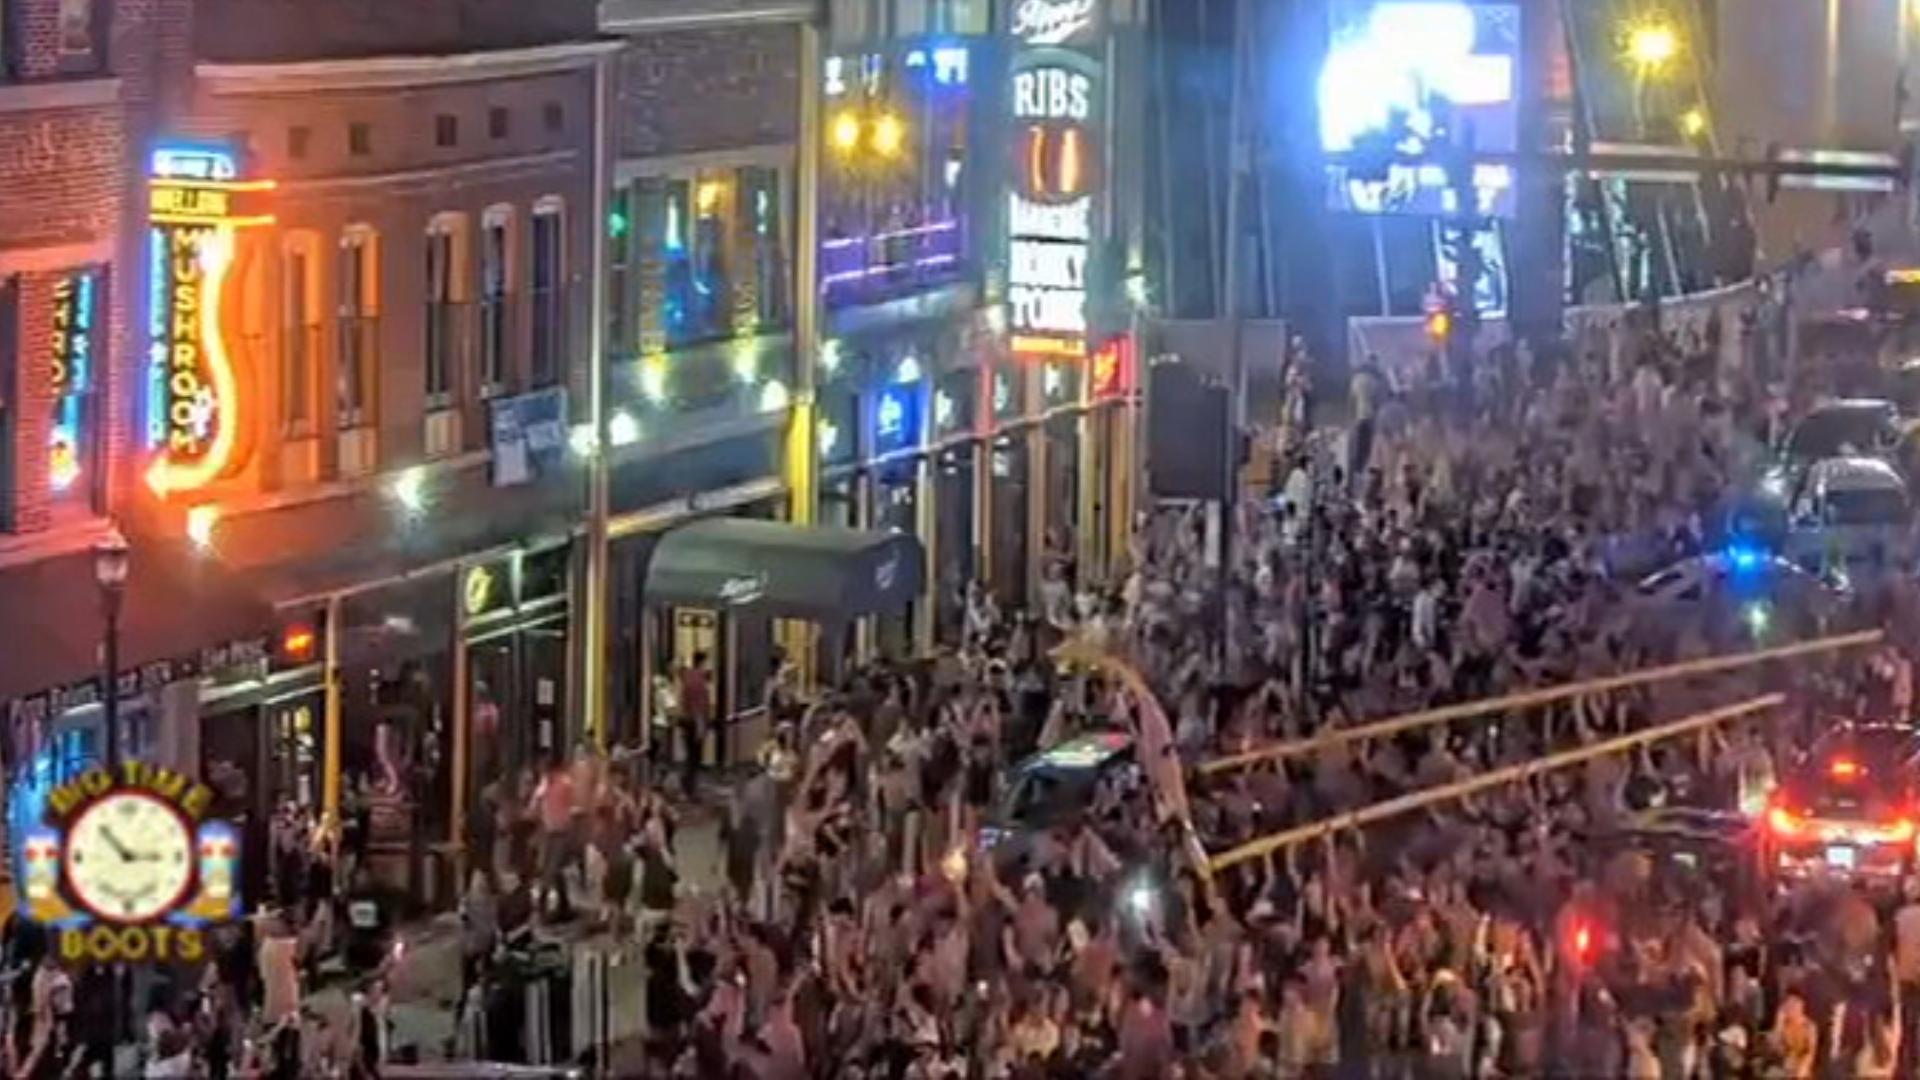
[(129, 858)]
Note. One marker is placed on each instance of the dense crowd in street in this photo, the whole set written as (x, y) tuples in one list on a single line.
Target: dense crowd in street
[(1464, 538)]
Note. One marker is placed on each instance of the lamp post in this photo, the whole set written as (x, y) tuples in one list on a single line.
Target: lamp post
[(110, 565)]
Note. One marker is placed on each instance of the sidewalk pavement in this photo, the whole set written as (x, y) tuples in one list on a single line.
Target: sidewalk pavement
[(425, 984)]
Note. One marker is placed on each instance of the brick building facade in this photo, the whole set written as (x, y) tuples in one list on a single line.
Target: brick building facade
[(419, 264)]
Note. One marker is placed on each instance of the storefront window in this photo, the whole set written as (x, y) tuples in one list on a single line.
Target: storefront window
[(762, 217), (1008, 457), (544, 573), (694, 267), (1063, 490), (953, 402), (956, 562)]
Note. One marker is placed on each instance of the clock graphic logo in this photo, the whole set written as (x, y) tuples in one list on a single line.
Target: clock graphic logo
[(129, 857)]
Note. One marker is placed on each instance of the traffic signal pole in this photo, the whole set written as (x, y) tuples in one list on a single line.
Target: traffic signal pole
[(1512, 774)]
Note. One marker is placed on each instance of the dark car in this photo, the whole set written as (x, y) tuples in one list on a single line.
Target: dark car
[(1841, 428), (1849, 808), (1061, 785)]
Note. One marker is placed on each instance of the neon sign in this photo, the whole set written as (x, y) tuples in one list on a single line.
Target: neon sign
[(197, 205), (75, 302), (896, 419), (1055, 98), (128, 867), (1053, 22)]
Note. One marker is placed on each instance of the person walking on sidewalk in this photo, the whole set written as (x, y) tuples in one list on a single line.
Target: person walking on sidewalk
[(696, 714)]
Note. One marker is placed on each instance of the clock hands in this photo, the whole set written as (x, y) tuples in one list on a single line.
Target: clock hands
[(120, 849), (126, 853)]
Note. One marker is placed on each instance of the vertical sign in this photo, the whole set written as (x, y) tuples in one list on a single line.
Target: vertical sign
[(197, 204), (70, 375), (1057, 127)]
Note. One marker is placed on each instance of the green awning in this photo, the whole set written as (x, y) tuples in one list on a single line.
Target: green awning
[(794, 571)]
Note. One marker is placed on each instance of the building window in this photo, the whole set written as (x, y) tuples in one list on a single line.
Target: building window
[(496, 305), (359, 139), (446, 130), (358, 292), (298, 137), (444, 292), (72, 441), (79, 36), (693, 242), (497, 122), (548, 287), (299, 332), (554, 116), (620, 271), (760, 199)]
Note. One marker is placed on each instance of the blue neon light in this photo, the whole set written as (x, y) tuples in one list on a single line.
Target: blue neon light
[(159, 334), (193, 161)]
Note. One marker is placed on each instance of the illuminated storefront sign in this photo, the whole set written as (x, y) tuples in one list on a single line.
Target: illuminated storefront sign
[(896, 419), (75, 307), (1051, 212), (1054, 22), (196, 206), (128, 867)]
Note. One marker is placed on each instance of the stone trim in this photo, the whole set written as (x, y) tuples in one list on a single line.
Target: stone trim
[(58, 94)]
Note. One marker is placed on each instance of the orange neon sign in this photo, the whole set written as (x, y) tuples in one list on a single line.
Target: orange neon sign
[(193, 389)]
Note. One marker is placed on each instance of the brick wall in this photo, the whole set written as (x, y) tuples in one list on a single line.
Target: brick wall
[(695, 90), (397, 189), (59, 176)]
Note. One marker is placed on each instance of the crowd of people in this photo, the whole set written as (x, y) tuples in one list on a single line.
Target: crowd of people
[(887, 908)]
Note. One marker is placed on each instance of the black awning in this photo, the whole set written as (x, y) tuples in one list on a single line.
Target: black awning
[(787, 570), (181, 605)]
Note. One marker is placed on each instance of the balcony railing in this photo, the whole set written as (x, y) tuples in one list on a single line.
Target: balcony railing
[(880, 266)]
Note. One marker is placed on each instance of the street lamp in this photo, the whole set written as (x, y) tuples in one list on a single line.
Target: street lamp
[(1652, 45), (110, 564)]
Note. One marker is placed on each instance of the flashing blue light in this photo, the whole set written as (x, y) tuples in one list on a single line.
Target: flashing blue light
[(1745, 559)]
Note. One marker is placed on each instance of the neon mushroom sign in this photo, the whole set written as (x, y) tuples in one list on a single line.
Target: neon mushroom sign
[(197, 205)]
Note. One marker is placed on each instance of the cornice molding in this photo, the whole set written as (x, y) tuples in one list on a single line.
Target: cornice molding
[(395, 72)]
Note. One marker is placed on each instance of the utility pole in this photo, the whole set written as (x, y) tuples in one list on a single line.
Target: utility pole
[(598, 585), (1239, 160), (801, 454)]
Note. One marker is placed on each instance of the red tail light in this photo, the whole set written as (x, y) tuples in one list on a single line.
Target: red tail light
[(1846, 769), (1901, 831)]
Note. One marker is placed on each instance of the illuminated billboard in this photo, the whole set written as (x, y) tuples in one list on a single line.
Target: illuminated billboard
[(1409, 84), (1057, 82), (197, 204)]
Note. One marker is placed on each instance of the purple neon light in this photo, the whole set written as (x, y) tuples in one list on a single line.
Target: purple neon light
[(852, 261)]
